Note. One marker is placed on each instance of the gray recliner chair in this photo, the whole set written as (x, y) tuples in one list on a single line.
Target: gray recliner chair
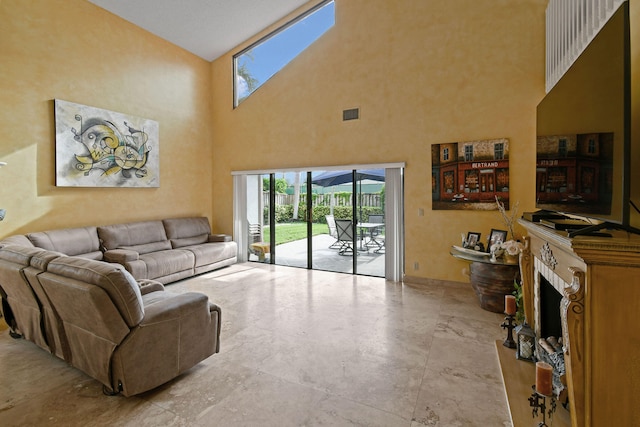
[(129, 342), (131, 336)]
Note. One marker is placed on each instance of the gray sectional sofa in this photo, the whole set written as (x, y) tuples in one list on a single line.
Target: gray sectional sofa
[(163, 250), (95, 297)]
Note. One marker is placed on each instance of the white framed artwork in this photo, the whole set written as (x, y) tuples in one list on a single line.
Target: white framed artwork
[(102, 148)]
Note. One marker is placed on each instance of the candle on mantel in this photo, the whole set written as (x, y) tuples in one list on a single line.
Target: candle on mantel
[(544, 375), (510, 304)]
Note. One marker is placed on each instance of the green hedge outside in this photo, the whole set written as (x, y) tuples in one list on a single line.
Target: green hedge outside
[(284, 213)]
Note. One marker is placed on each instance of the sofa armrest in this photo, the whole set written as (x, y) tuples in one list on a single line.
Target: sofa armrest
[(219, 238), (174, 306), (121, 256), (148, 286), (177, 332)]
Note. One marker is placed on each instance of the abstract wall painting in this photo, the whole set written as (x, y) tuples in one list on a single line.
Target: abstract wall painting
[(102, 148), (470, 175)]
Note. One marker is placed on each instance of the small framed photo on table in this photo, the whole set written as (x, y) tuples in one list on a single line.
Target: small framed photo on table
[(473, 239), (496, 236)]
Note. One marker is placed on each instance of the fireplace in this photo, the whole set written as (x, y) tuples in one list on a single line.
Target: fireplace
[(548, 325), (548, 289), (549, 310), (594, 283)]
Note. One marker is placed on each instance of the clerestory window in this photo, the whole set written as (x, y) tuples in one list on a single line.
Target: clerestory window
[(260, 61)]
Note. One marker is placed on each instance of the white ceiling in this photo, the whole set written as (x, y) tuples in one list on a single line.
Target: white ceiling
[(207, 28)]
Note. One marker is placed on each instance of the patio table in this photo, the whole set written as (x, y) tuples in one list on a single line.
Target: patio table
[(370, 228)]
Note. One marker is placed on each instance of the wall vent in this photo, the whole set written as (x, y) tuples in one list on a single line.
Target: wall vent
[(351, 114), (571, 25)]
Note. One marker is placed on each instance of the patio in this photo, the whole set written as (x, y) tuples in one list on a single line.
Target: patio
[(294, 254)]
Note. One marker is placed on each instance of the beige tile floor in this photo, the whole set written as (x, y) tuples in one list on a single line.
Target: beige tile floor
[(298, 348)]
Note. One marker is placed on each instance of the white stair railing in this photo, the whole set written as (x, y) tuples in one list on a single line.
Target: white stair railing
[(570, 27)]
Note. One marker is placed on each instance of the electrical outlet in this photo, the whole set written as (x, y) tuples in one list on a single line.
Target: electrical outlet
[(416, 266), (420, 212)]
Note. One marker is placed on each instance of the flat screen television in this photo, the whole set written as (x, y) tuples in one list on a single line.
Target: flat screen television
[(583, 134)]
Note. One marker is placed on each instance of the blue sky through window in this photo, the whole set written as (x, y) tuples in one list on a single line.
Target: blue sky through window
[(269, 56)]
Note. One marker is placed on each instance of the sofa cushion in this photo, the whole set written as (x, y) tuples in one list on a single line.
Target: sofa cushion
[(220, 238), (131, 234), (41, 260), (121, 256), (113, 278), (19, 254), (82, 241), (187, 231), (148, 247), (189, 241), (18, 239), (212, 253), (166, 263)]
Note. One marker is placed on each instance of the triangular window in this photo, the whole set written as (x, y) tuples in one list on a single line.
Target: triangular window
[(257, 63)]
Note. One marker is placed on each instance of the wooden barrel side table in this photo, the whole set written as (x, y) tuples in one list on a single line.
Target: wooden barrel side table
[(491, 281)]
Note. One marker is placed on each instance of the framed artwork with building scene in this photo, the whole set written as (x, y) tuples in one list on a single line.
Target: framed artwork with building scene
[(469, 175), (102, 148)]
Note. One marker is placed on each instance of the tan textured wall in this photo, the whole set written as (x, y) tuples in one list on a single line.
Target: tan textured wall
[(421, 72), (75, 51)]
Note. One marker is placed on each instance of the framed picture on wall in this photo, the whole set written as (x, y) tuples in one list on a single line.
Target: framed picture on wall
[(102, 148), (469, 175)]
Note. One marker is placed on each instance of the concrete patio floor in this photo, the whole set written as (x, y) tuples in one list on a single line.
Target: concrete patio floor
[(294, 254)]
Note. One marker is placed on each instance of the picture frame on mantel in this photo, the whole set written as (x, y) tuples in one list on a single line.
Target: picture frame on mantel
[(496, 236), (473, 238), (102, 148)]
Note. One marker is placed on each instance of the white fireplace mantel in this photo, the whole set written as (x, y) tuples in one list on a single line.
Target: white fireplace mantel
[(599, 279)]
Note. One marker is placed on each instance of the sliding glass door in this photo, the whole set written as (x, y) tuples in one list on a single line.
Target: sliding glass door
[(347, 198), (333, 220), (277, 219), (290, 219)]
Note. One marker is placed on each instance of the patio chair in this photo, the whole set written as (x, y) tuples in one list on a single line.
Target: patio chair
[(331, 223), (344, 229), (255, 233), (377, 234), (376, 219), (256, 245)]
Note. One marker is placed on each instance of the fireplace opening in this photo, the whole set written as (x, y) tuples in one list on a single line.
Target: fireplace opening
[(549, 340), (550, 299)]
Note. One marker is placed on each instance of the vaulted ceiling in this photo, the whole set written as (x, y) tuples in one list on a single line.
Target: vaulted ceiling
[(207, 28)]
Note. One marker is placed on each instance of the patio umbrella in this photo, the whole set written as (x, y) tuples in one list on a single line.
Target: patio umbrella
[(331, 178)]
